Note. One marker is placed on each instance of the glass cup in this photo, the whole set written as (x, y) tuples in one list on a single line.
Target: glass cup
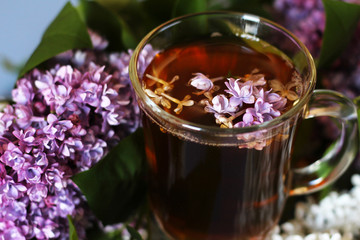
[(207, 182)]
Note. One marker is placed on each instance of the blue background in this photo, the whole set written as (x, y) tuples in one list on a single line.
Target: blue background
[(22, 23)]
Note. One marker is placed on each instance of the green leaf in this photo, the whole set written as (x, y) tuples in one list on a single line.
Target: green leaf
[(67, 31), (115, 187), (183, 7), (72, 231), (258, 7), (191, 6), (134, 234), (108, 24), (140, 16), (341, 22), (159, 10)]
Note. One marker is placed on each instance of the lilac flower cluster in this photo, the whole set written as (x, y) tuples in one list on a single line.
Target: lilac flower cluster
[(306, 19), (63, 121), (246, 101), (344, 74), (246, 97)]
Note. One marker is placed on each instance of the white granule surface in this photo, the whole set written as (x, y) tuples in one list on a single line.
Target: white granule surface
[(335, 217)]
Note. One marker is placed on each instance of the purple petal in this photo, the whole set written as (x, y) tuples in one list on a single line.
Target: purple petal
[(201, 82)]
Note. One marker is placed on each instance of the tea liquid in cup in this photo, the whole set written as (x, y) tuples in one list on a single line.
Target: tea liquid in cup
[(221, 98)]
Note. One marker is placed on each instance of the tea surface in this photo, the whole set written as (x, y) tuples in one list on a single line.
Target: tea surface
[(218, 59)]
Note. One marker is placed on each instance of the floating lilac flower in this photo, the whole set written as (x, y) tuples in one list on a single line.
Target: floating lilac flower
[(220, 104), (241, 93), (284, 90), (255, 79), (263, 111), (201, 82), (275, 99), (248, 120)]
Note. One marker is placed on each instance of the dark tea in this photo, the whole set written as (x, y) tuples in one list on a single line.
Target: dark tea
[(201, 190), (221, 95)]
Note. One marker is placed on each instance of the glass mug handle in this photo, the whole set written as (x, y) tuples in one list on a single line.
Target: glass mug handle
[(332, 165)]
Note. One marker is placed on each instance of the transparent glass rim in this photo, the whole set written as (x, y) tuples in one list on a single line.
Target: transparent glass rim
[(175, 121)]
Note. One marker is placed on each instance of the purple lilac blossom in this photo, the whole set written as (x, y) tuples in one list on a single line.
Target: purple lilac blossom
[(262, 111), (201, 82), (248, 120), (220, 105), (278, 102), (344, 74), (241, 92), (248, 100), (306, 19), (63, 121)]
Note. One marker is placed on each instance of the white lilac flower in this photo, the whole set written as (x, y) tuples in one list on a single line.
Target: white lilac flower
[(335, 217)]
